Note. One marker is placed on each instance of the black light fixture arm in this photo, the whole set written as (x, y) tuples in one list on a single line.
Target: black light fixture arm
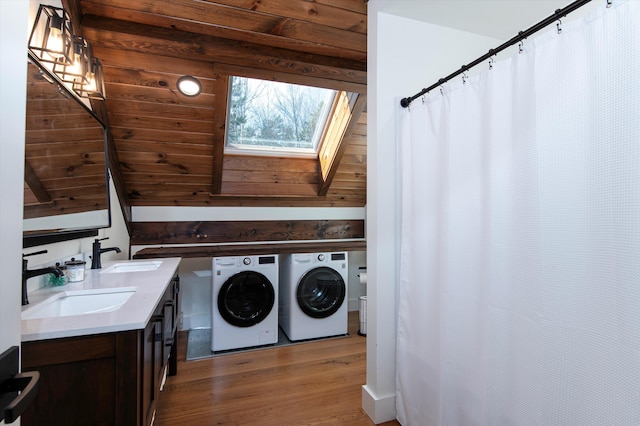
[(559, 13)]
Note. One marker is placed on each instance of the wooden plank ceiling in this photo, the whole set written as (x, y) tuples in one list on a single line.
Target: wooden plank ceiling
[(169, 147)]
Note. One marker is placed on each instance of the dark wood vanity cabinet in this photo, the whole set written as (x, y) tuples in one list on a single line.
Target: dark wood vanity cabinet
[(159, 349), (104, 379)]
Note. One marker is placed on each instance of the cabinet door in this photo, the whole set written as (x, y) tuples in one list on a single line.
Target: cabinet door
[(78, 381), (171, 328), (158, 355), (176, 306), (167, 337), (171, 311), (152, 357)]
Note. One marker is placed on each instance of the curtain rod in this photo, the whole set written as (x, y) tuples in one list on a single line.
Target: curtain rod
[(559, 13)]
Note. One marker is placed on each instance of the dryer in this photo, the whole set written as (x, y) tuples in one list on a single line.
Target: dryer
[(313, 289), (245, 302)]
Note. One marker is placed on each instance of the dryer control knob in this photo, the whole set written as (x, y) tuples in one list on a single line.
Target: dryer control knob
[(246, 261), (321, 257)]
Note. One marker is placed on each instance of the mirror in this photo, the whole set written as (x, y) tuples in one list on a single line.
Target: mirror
[(66, 191)]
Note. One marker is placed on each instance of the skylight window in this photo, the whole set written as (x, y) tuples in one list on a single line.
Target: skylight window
[(273, 117)]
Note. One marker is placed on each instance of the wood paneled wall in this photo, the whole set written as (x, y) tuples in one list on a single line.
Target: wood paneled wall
[(148, 233)]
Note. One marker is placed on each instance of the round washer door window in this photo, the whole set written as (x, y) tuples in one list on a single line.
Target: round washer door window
[(246, 299), (321, 292)]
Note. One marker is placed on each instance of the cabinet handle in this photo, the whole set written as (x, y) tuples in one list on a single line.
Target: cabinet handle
[(170, 340), (160, 319)]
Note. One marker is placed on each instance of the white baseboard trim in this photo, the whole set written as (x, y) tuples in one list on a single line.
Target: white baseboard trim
[(379, 409)]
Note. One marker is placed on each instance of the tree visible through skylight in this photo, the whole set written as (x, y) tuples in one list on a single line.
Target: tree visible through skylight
[(271, 115)]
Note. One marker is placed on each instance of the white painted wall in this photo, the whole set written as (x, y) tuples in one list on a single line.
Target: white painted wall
[(356, 259), (404, 56), (168, 214), (14, 17)]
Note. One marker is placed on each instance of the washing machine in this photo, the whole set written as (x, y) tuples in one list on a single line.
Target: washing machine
[(245, 302), (313, 289)]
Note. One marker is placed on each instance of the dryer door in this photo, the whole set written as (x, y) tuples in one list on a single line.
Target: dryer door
[(246, 298), (321, 292)]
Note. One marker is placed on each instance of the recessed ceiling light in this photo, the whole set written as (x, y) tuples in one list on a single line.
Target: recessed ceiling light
[(189, 86)]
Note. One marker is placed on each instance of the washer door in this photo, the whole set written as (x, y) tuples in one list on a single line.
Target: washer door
[(246, 298), (321, 292)]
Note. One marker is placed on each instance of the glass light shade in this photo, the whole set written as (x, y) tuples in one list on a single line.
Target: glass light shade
[(92, 86), (51, 37), (189, 86), (80, 65)]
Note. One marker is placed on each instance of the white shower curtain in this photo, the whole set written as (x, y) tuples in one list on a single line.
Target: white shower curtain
[(519, 299)]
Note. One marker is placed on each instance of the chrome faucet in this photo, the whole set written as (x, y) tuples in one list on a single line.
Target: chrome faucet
[(26, 274), (97, 251)]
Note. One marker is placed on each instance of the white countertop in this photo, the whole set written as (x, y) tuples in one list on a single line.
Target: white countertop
[(133, 315)]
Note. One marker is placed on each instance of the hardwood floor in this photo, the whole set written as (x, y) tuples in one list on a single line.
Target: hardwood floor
[(313, 383)]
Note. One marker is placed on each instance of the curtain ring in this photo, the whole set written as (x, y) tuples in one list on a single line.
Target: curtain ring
[(520, 47), (422, 98), (609, 3), (464, 77), (559, 26), (442, 90), (490, 63)]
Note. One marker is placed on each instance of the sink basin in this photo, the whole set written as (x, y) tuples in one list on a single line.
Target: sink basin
[(122, 267), (80, 302)]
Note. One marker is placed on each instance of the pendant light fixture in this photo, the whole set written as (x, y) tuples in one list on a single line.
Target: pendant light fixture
[(92, 86), (79, 66), (66, 55), (51, 37)]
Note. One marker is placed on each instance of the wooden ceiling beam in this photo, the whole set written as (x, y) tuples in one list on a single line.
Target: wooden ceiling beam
[(305, 80), (359, 6), (344, 38), (129, 36), (32, 181), (145, 61), (211, 232), (208, 200), (152, 63), (304, 11)]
